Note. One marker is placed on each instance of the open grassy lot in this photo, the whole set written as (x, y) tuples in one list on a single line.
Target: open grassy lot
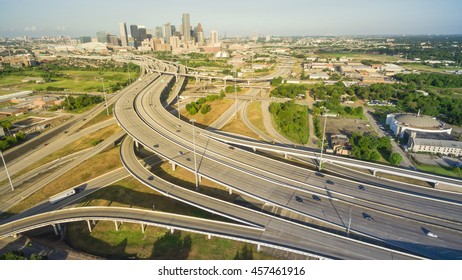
[(72, 80), (218, 108)]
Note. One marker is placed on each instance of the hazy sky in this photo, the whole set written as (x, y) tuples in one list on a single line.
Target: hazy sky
[(235, 17)]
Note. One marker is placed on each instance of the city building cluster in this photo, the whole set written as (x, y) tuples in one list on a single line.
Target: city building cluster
[(167, 37)]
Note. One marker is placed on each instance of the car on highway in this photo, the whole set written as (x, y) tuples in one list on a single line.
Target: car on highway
[(330, 182), (368, 217), (317, 198), (431, 234), (180, 153), (362, 188), (231, 147), (319, 174), (298, 199), (150, 178), (156, 145)]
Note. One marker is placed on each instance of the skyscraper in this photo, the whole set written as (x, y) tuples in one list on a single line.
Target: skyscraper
[(186, 28), (135, 35), (167, 32), (200, 34), (214, 38), (142, 32), (101, 36), (123, 34)]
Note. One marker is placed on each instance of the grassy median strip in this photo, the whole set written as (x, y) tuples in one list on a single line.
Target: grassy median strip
[(237, 126), (89, 169), (255, 115), (218, 107), (83, 143)]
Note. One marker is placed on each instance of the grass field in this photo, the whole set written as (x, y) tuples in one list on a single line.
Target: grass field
[(154, 243), (78, 145), (255, 115), (91, 168), (72, 80), (218, 107), (237, 126), (445, 171)]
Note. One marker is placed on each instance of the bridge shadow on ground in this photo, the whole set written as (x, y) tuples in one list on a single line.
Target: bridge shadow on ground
[(78, 237), (172, 246), (117, 195)]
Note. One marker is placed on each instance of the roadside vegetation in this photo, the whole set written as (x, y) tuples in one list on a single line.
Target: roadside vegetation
[(288, 91), (292, 120), (371, 148)]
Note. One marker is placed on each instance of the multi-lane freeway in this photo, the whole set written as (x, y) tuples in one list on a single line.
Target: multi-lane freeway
[(390, 215)]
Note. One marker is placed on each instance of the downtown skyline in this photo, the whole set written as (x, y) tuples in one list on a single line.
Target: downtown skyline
[(241, 18)]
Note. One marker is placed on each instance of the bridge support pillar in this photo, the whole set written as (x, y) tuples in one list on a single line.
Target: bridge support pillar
[(254, 149), (224, 81), (172, 230), (89, 225), (199, 178), (15, 235), (258, 247), (55, 229), (116, 226), (210, 80), (209, 236), (173, 166), (374, 172), (230, 191), (435, 184), (197, 80), (285, 156), (142, 228)]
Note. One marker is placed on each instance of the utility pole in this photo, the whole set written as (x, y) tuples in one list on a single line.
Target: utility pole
[(194, 150), (323, 137), (6, 170), (105, 100)]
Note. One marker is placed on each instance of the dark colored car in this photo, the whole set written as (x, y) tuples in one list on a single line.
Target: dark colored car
[(363, 188), (317, 198), (368, 217), (298, 199), (319, 174), (329, 182)]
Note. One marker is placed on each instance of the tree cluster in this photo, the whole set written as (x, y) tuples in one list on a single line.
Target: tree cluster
[(230, 89), (277, 81), (10, 140), (288, 90), (431, 79), (366, 146), (200, 106), (292, 120)]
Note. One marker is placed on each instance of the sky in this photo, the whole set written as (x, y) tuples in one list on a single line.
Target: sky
[(234, 17)]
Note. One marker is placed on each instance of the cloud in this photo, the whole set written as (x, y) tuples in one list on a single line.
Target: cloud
[(30, 28), (62, 28)]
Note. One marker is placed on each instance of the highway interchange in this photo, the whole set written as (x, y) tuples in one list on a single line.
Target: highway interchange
[(400, 216)]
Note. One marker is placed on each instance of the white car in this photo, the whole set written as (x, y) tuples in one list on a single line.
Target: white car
[(431, 234)]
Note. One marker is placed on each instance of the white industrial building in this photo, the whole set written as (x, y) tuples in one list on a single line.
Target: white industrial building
[(401, 123)]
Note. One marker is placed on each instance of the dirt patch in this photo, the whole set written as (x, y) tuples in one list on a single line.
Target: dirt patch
[(346, 126)]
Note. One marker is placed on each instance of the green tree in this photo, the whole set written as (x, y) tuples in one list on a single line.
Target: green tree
[(4, 145), (395, 159), (205, 109), (20, 136)]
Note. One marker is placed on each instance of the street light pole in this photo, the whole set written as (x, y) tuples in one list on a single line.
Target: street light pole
[(349, 223), (194, 150), (178, 102), (235, 101), (323, 138), (6, 170), (105, 100)]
